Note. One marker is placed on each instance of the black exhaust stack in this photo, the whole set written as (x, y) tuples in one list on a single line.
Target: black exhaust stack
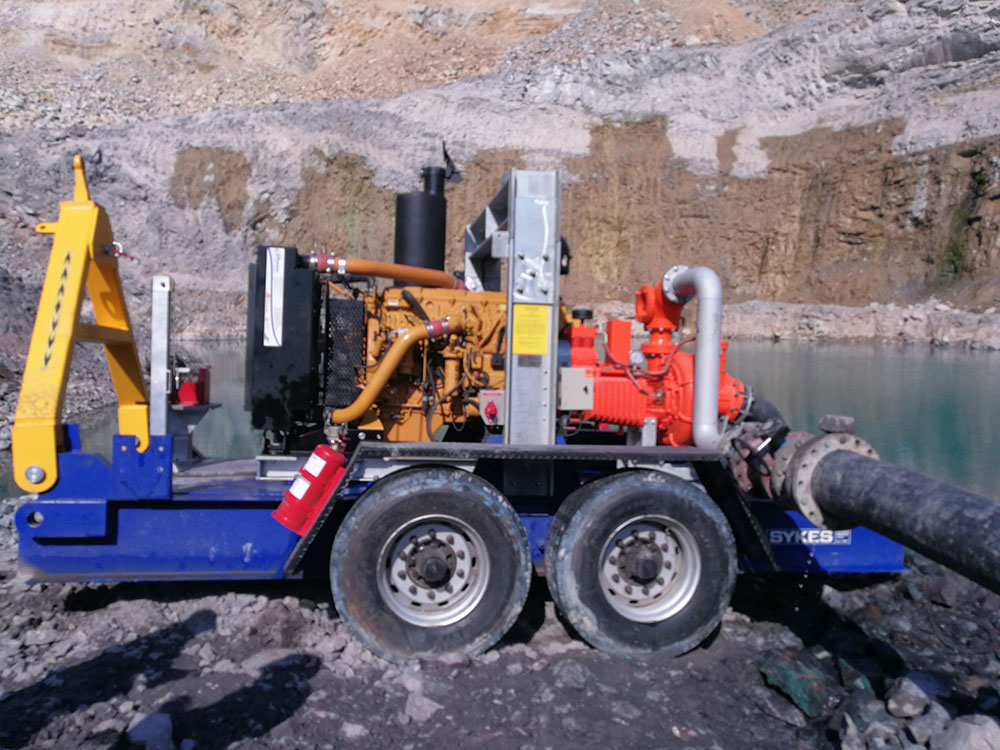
[(420, 223)]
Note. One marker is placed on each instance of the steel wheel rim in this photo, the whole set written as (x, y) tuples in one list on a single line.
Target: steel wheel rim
[(623, 568), (433, 541)]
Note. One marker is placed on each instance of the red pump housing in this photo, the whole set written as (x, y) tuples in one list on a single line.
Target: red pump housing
[(663, 390)]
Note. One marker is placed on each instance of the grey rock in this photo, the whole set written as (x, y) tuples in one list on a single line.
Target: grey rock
[(879, 736), (850, 737), (933, 722), (351, 731), (868, 711), (420, 708), (974, 732), (155, 731), (776, 705), (569, 673), (906, 699), (626, 710)]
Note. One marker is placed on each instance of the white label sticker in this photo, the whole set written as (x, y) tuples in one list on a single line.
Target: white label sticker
[(274, 296), (314, 465), (809, 536), (299, 487)]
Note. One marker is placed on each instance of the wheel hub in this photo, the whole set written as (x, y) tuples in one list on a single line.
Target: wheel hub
[(641, 560), (432, 564), (433, 571), (650, 568)]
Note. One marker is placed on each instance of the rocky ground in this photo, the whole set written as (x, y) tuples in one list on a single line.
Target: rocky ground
[(892, 662)]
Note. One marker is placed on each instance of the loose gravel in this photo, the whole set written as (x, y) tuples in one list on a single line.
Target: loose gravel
[(799, 662)]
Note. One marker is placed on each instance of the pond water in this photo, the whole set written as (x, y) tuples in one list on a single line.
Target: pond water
[(935, 411)]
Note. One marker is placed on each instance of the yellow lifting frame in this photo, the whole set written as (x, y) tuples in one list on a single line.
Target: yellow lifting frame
[(82, 251)]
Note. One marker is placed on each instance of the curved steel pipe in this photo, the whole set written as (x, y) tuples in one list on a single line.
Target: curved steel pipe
[(395, 271), (680, 284), (376, 381)]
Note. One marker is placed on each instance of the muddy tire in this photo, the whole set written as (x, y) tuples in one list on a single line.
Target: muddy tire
[(641, 562), (430, 562)]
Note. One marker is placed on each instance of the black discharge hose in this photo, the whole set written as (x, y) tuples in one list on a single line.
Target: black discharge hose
[(953, 526), (761, 410)]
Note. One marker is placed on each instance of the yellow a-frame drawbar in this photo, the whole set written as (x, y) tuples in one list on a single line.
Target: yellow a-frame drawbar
[(82, 252)]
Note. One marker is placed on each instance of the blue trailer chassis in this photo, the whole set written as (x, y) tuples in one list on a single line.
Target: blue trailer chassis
[(128, 520)]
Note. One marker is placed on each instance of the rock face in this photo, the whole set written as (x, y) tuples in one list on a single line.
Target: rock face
[(810, 152)]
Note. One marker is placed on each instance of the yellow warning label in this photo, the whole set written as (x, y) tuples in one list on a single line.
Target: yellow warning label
[(531, 329)]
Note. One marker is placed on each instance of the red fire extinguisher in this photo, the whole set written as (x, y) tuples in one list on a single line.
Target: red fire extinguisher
[(302, 502)]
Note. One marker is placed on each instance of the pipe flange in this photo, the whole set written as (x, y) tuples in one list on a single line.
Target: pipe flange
[(798, 480), (782, 461), (668, 285)]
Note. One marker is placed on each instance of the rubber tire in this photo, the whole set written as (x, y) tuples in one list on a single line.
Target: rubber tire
[(586, 520), (383, 509)]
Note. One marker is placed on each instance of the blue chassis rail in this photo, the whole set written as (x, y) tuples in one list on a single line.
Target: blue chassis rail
[(127, 522)]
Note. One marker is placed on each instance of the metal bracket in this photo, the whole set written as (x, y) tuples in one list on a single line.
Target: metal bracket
[(78, 258)]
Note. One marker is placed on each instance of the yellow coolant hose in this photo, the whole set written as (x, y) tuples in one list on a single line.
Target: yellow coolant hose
[(376, 382)]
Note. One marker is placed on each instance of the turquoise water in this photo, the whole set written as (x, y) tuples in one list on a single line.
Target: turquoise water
[(936, 411)]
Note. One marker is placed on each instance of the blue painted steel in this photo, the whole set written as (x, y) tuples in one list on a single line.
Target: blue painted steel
[(537, 525), (801, 547), (122, 521), (131, 475), (221, 530)]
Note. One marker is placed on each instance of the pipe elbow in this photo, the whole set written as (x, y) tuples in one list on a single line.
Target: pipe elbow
[(681, 284)]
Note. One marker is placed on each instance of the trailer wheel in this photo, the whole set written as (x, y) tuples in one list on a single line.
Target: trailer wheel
[(429, 562), (641, 562)]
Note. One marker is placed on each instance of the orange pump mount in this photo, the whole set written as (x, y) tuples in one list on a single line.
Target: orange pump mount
[(626, 395)]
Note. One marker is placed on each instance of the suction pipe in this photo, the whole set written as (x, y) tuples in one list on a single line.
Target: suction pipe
[(681, 284)]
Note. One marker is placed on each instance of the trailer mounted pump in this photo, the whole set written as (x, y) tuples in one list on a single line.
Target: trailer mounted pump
[(449, 437)]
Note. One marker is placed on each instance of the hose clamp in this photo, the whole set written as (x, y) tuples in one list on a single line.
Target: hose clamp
[(797, 484)]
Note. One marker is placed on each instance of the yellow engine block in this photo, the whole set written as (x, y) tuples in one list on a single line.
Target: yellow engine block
[(437, 381)]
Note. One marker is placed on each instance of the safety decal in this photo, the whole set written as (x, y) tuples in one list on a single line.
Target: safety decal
[(57, 312), (531, 329)]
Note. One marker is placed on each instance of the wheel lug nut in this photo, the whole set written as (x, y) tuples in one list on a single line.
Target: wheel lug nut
[(628, 589), (413, 590), (616, 578)]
